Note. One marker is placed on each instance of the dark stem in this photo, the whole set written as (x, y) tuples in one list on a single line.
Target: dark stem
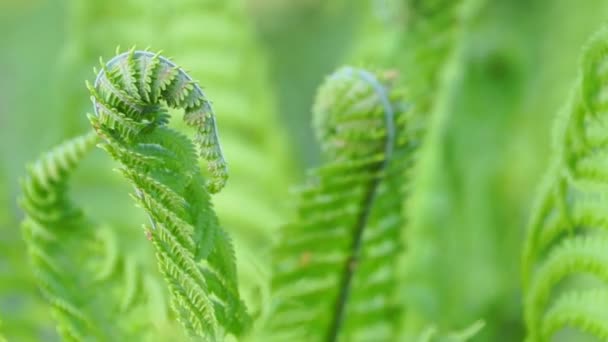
[(352, 261)]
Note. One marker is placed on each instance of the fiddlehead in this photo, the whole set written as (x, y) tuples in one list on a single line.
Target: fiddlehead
[(333, 276), (567, 239), (131, 95), (235, 76), (134, 83), (92, 287)]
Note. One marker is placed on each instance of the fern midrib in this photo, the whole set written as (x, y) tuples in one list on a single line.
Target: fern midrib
[(361, 223)]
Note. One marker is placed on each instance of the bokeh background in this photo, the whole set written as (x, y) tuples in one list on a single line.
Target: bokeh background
[(261, 64)]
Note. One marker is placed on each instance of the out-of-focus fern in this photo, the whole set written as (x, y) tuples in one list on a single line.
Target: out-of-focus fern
[(567, 240), (195, 255), (334, 273), (433, 50), (95, 289)]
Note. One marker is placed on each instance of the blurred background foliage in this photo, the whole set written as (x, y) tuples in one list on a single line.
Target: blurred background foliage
[(519, 58)]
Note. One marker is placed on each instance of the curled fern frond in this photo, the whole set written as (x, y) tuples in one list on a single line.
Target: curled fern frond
[(567, 239), (235, 74), (334, 273), (78, 266), (128, 93), (131, 95)]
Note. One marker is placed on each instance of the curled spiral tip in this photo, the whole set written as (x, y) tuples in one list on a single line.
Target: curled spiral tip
[(341, 114), (128, 96), (344, 202), (132, 95)]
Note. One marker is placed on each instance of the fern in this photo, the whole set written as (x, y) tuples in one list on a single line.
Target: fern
[(334, 270), (567, 233), (195, 255), (79, 266), (235, 76)]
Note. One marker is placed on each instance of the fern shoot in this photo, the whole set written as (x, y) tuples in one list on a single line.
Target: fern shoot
[(334, 276), (235, 76), (565, 260), (131, 97)]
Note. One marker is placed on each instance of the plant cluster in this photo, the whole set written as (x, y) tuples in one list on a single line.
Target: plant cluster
[(356, 259)]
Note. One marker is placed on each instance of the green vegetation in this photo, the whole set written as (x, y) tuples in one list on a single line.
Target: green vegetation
[(396, 204), (566, 237)]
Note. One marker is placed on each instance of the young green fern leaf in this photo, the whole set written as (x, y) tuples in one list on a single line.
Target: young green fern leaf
[(567, 240), (130, 96), (334, 275), (235, 76), (78, 265)]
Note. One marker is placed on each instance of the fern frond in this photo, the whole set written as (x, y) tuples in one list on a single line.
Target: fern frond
[(236, 76), (334, 274), (195, 256), (78, 266), (567, 238)]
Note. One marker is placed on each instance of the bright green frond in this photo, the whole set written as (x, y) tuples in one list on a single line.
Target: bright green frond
[(195, 256)]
